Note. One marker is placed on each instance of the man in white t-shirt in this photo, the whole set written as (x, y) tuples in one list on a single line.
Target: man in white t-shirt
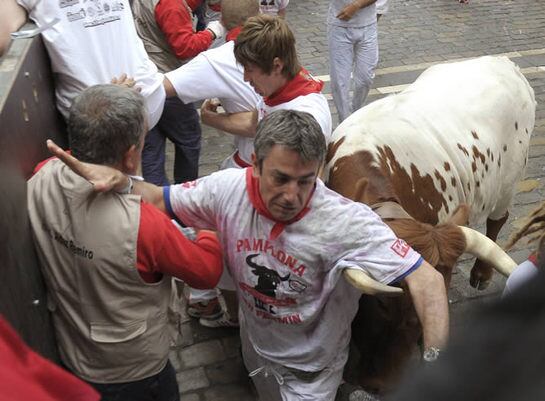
[(81, 44), (353, 50), (288, 240), (266, 49)]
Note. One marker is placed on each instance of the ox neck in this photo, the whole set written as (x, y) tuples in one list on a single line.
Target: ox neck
[(390, 210)]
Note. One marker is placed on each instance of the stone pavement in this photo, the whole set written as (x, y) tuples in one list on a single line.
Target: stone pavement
[(412, 36)]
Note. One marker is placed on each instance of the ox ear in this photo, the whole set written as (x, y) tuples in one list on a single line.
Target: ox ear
[(460, 217), (360, 191)]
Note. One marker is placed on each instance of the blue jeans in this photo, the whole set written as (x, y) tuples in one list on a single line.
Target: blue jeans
[(160, 387), (180, 124)]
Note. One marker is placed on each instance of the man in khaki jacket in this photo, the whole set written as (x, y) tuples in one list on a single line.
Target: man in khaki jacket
[(107, 258)]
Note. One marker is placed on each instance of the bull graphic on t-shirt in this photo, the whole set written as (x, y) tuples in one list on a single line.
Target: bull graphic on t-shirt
[(267, 279)]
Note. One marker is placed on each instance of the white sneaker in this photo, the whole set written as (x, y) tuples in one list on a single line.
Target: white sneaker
[(223, 320)]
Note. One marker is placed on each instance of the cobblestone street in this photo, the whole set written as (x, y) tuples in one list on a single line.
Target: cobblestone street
[(412, 36)]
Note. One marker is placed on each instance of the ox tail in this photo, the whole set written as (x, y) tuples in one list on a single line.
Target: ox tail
[(488, 251), (363, 282)]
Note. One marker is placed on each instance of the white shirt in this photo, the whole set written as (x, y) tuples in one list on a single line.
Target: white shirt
[(216, 73), (313, 103), (92, 43), (305, 320)]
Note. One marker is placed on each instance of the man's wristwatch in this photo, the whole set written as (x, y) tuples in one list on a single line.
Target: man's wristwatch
[(130, 184), (128, 189), (431, 354)]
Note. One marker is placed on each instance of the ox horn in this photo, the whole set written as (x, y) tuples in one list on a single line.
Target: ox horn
[(485, 249), (363, 282)]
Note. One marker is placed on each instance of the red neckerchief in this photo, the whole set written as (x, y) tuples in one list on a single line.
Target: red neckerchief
[(233, 33), (303, 84), (252, 188)]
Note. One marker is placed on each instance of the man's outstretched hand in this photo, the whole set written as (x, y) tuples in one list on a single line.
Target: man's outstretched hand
[(103, 178)]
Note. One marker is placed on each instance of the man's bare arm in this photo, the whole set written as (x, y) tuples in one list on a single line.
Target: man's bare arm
[(106, 178), (151, 194), (12, 17), (241, 124), (429, 295)]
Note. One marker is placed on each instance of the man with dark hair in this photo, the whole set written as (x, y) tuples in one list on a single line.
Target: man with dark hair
[(107, 258), (266, 49), (288, 240)]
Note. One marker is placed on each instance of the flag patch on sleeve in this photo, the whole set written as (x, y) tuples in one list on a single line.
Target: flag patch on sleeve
[(400, 247)]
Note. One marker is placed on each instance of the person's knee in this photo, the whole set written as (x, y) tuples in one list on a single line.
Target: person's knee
[(364, 79)]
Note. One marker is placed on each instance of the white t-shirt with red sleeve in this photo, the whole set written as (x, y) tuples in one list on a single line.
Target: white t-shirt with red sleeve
[(294, 302)]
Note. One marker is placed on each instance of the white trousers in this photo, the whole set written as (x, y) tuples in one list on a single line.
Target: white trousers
[(275, 382), (353, 51)]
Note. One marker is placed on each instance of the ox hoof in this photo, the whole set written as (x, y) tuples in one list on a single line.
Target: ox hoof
[(480, 277), (350, 392), (478, 283)]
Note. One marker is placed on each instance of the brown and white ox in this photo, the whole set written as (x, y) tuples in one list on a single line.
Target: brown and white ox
[(457, 136)]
